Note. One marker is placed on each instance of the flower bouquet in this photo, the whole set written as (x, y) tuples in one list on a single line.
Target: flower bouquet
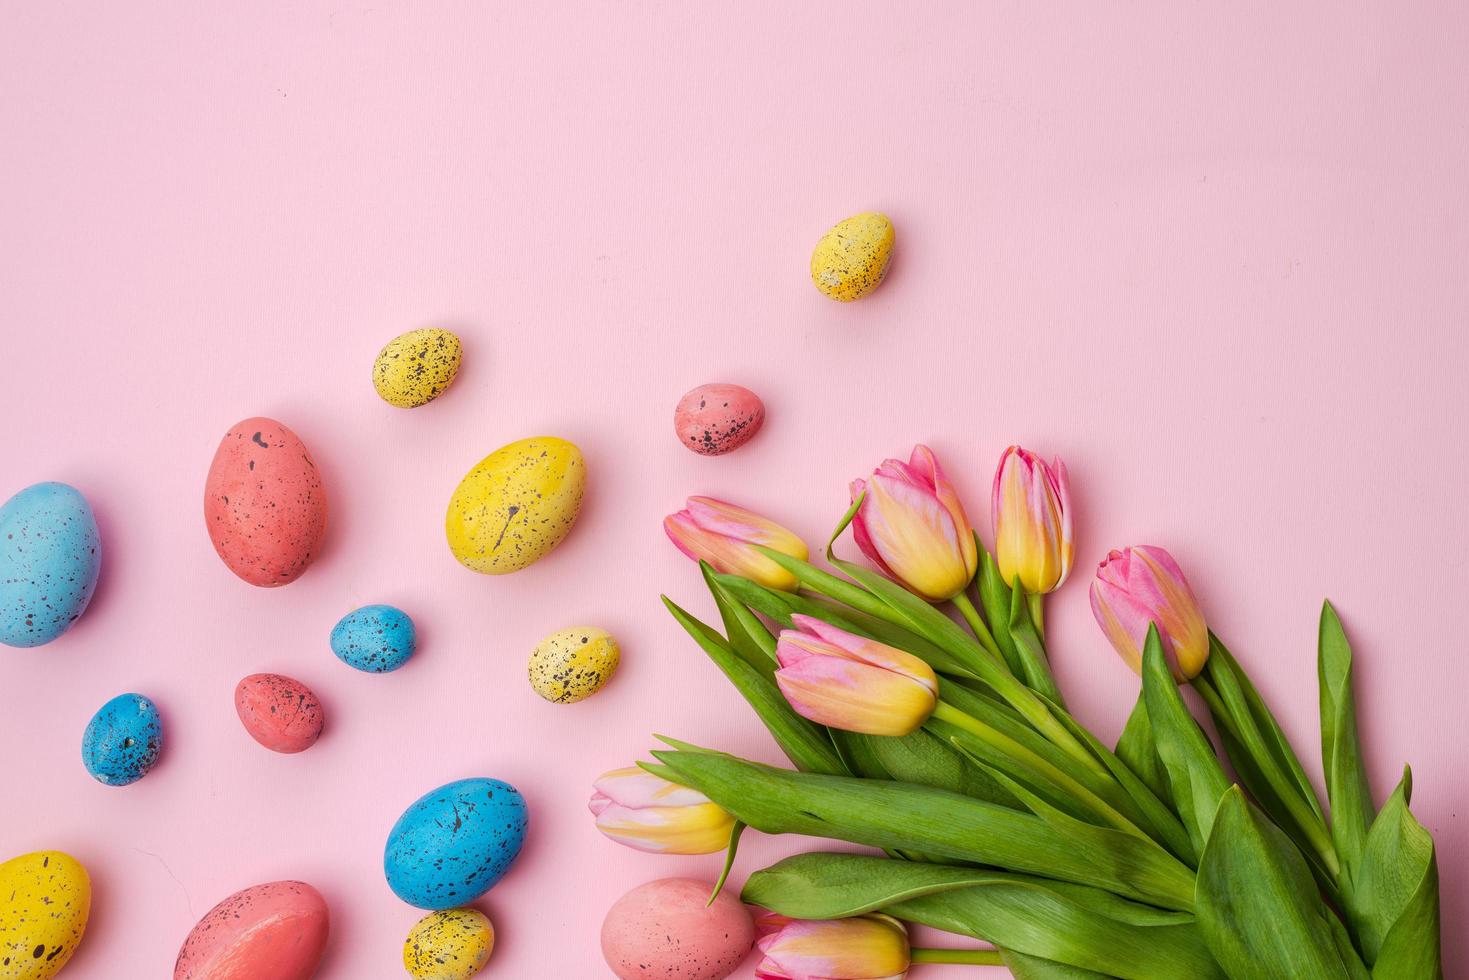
[(918, 710)]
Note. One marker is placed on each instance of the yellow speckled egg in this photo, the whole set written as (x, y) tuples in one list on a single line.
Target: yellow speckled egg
[(415, 367), (45, 898), (517, 504), (573, 664), (851, 259), (450, 945)]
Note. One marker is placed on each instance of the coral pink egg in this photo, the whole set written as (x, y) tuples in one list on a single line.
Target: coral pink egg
[(275, 931), (716, 419), (663, 930), (263, 503), (279, 712)]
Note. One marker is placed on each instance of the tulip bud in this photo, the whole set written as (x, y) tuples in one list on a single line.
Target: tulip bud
[(864, 947), (846, 681), (723, 535), (1142, 585), (912, 526), (1031, 507), (647, 812)]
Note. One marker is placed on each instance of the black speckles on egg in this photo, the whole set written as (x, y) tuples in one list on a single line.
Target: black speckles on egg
[(453, 844), (278, 929), (573, 664), (714, 419), (516, 505), (50, 558), (376, 639), (414, 368)]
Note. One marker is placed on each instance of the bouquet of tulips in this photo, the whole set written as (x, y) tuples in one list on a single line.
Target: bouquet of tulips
[(943, 741)]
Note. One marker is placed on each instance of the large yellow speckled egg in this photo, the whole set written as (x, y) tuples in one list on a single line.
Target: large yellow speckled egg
[(415, 367), (450, 945), (573, 664), (517, 504), (851, 259), (45, 898)]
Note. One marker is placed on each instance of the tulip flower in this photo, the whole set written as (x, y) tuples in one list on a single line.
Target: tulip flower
[(1031, 507), (864, 947), (724, 535), (649, 813), (912, 526), (846, 681), (1142, 585)]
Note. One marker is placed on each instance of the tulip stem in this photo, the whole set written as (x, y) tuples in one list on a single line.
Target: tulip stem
[(975, 957), (977, 626), (1037, 603)]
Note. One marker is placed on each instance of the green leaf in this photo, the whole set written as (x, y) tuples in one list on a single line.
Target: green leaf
[(922, 758), (746, 635), (1341, 754), (1030, 649), (994, 597), (1258, 906), (1194, 773), (805, 744), (1024, 967), (1394, 901), (1077, 926), (1138, 752)]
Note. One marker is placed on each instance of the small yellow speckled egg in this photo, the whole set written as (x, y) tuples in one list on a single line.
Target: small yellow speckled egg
[(573, 664), (450, 945), (517, 504), (415, 367), (45, 898), (851, 259)]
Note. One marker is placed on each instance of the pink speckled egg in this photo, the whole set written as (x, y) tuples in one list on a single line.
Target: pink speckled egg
[(279, 712), (716, 419), (263, 503), (663, 930), (275, 931)]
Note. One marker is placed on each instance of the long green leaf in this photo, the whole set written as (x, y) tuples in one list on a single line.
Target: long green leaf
[(1030, 649), (1394, 902), (1023, 967), (1258, 905), (1136, 749), (1341, 755), (922, 758), (994, 598), (746, 635)]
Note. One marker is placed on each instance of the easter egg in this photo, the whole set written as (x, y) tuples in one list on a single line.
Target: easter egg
[(45, 899), (850, 260), (50, 554), (375, 639), (573, 664), (718, 418), (279, 712), (454, 944), (275, 931), (414, 368), (264, 504), (123, 740), (664, 930), (453, 844), (517, 504)]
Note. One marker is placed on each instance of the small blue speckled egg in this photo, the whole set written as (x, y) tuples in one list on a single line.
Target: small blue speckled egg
[(452, 845), (376, 639), (50, 554), (122, 741)]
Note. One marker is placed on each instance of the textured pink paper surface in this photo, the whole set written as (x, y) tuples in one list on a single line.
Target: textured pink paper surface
[(1212, 254)]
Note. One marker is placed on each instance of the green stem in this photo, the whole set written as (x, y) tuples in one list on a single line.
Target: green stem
[(975, 957), (1036, 602), (976, 624)]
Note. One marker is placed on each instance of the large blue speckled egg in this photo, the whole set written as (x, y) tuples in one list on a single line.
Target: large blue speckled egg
[(50, 554), (123, 739), (376, 639), (451, 846)]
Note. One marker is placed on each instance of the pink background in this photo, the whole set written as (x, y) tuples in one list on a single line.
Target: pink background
[(1212, 254)]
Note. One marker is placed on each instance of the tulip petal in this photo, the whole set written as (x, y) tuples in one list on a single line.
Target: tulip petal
[(727, 555), (700, 829), (868, 651), (731, 521), (916, 537), (635, 787), (855, 697), (926, 463), (860, 948)]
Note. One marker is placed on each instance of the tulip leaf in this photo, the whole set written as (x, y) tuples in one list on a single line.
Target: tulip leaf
[(1139, 752), (1347, 789), (1076, 926), (994, 597), (1394, 901), (805, 744), (1258, 906), (1194, 773), (746, 635), (729, 859), (922, 758), (1030, 648), (1025, 967), (857, 755), (935, 822)]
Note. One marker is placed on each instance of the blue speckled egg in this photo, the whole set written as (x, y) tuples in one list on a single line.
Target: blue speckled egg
[(376, 639), (451, 846), (122, 741), (50, 554)]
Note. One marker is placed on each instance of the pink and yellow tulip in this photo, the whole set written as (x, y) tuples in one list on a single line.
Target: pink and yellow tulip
[(912, 526), (1142, 585), (846, 681), (865, 947), (724, 535), (649, 813), (1031, 508)]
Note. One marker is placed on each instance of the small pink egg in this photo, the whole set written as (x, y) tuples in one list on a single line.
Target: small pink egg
[(663, 930), (279, 712), (275, 931), (716, 419)]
